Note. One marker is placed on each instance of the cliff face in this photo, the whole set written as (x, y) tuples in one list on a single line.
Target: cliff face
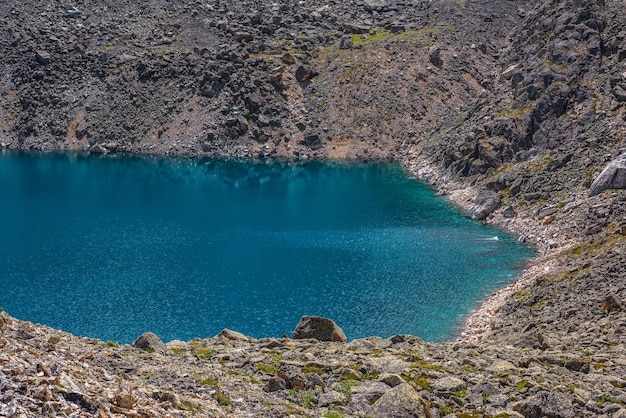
[(518, 104), (245, 78)]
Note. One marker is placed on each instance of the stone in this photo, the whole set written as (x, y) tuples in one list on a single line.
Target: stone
[(368, 391), (275, 384), (150, 342), (98, 149), (501, 367), (620, 93), (610, 303), (312, 141), (304, 74), (232, 335), (293, 377), (287, 58), (346, 42), (485, 203), (5, 320), (397, 27), (42, 57), (401, 401), (612, 177), (331, 398), (323, 329), (434, 55), (546, 404), (391, 379), (243, 36), (509, 212), (448, 384), (508, 73)]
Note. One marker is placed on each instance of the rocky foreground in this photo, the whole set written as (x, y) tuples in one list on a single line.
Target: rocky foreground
[(514, 109)]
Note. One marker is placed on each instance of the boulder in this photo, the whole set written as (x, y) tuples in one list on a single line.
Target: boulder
[(276, 384), (287, 58), (304, 74), (401, 401), (612, 177), (292, 376), (229, 334), (485, 203), (346, 42), (98, 149), (391, 379), (331, 398), (149, 341), (546, 405), (42, 57), (434, 55), (323, 329), (448, 384), (5, 320)]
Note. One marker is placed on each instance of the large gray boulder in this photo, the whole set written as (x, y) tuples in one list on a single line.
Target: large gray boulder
[(612, 177), (150, 342), (546, 405), (485, 203), (323, 329), (402, 401)]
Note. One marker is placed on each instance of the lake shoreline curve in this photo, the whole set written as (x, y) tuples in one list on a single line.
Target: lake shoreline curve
[(513, 110)]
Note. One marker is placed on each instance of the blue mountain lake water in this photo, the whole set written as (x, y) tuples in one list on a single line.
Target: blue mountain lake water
[(111, 247)]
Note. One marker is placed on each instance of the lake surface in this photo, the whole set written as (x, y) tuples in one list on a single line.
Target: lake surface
[(111, 247)]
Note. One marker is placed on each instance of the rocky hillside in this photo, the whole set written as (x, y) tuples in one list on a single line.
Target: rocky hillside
[(512, 108)]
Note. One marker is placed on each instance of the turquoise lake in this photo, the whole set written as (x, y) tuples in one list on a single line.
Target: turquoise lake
[(111, 247)]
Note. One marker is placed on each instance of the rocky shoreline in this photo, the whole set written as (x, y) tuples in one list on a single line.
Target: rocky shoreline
[(512, 109)]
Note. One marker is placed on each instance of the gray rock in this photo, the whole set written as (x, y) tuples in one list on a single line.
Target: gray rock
[(612, 177), (5, 320), (98, 149), (485, 203), (331, 398), (304, 74), (292, 375), (323, 329), (434, 54), (545, 404), (287, 58), (148, 341), (368, 392), (346, 42), (232, 335), (620, 93), (43, 57), (448, 384), (401, 401), (509, 212), (391, 379), (275, 384)]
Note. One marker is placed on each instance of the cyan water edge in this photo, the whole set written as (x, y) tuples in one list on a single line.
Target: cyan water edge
[(115, 246)]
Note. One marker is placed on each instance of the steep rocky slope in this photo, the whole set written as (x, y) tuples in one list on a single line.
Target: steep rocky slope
[(517, 104)]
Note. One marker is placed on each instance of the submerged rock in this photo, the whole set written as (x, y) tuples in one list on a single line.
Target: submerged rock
[(323, 329)]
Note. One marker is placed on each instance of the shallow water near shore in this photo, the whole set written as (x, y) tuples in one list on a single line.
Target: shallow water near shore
[(110, 247)]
